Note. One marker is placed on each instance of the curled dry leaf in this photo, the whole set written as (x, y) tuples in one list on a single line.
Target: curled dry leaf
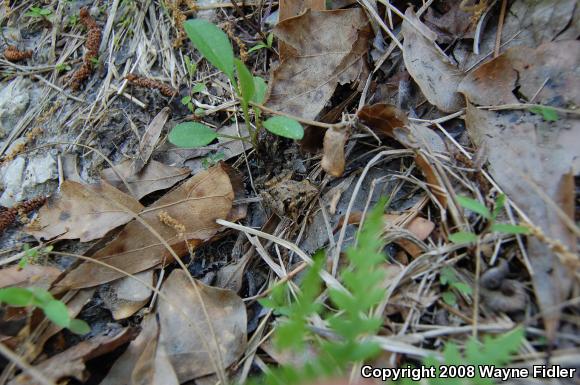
[(383, 118), (71, 362), (183, 337), (333, 151), (126, 296), (184, 217), (429, 67), (328, 48), (83, 211), (154, 176)]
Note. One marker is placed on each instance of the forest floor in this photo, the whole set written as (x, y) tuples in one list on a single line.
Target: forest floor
[(463, 116)]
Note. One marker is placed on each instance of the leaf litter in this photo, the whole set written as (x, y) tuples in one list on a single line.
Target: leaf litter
[(461, 102)]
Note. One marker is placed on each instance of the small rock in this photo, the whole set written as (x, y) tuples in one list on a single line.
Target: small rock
[(14, 100), (12, 174), (39, 171)]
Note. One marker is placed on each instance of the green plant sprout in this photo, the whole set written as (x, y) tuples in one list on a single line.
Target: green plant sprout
[(493, 351), (53, 309), (62, 67), (31, 255), (190, 66), (548, 113), (448, 277), (352, 322), (491, 216), (263, 44), (217, 49), (38, 13)]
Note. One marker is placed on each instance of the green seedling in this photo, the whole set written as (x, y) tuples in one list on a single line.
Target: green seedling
[(548, 113), (352, 320), (263, 44), (38, 13), (186, 101), (493, 351), (490, 216), (31, 255), (448, 277), (53, 309), (217, 49), (190, 66), (62, 67)]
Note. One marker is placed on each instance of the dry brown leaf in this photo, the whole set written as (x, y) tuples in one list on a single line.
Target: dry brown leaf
[(429, 67), (71, 362), (154, 176), (328, 48), (82, 211), (333, 151), (382, 118), (124, 297), (149, 140), (183, 338), (188, 212), (453, 24), (30, 275), (420, 227), (527, 161), (231, 276), (292, 8), (126, 368), (526, 69)]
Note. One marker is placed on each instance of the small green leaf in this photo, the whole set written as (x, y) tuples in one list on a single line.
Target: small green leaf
[(212, 43), (57, 312), (199, 111), (199, 87), (475, 206), (246, 82), (191, 135), (190, 66), (447, 275), (499, 204), (449, 298), (284, 126), (463, 237), (261, 88), (186, 100), (507, 228), (16, 296), (270, 40), (257, 47), (548, 114), (78, 326), (41, 296), (462, 287)]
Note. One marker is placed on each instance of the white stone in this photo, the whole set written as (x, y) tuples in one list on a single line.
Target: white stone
[(12, 182)]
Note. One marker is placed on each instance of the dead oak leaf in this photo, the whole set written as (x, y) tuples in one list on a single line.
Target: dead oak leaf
[(193, 208), (547, 74), (183, 337), (428, 66), (82, 211), (154, 176), (327, 48)]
